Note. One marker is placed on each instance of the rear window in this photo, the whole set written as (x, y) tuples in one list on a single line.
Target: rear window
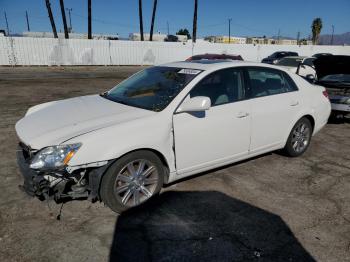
[(293, 62), (265, 82)]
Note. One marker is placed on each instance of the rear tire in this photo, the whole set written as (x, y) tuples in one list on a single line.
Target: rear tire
[(299, 138), (132, 180)]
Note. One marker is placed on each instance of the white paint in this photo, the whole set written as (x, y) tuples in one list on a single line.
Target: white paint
[(224, 134), (49, 51)]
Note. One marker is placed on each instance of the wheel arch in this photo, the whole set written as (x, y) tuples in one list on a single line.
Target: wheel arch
[(307, 116), (311, 119)]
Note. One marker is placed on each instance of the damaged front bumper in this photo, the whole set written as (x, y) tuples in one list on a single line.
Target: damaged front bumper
[(81, 183)]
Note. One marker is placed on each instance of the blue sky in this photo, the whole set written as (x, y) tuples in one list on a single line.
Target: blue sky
[(249, 17)]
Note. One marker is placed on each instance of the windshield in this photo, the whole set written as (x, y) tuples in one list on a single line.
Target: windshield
[(153, 88), (294, 62), (336, 78)]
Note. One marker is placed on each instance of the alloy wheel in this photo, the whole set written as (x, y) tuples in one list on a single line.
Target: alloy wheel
[(300, 137), (136, 182)]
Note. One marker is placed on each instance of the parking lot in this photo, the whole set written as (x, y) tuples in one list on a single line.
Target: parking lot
[(270, 208)]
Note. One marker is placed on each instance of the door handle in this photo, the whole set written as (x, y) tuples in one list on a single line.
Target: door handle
[(294, 103), (242, 114)]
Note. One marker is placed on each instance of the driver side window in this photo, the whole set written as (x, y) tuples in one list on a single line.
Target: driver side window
[(222, 87)]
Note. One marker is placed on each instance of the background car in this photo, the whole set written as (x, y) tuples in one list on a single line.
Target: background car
[(214, 57), (275, 57), (171, 38), (321, 54), (333, 72), (292, 64)]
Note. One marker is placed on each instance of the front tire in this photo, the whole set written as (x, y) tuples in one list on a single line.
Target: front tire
[(299, 138), (132, 180)]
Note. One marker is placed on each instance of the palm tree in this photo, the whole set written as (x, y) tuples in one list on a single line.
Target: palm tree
[(194, 33), (140, 17), (316, 30), (64, 20), (153, 17), (89, 20)]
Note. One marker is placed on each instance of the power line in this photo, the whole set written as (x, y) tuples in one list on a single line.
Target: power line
[(105, 21)]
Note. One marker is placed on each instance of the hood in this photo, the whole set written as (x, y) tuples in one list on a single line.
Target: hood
[(55, 122), (331, 65)]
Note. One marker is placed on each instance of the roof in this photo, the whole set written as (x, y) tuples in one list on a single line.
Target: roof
[(215, 64), (295, 57)]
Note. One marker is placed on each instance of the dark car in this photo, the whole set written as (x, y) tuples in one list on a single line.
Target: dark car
[(171, 38), (333, 72), (214, 57), (321, 54), (276, 56)]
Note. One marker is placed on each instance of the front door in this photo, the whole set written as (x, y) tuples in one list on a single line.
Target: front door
[(208, 139)]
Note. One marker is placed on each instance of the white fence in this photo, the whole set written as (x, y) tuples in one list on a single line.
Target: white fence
[(48, 51)]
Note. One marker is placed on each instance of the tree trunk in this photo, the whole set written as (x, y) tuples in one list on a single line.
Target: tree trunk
[(194, 33), (54, 31), (153, 17), (64, 20), (140, 17), (89, 20)]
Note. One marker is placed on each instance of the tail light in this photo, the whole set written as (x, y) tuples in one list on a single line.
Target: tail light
[(325, 93)]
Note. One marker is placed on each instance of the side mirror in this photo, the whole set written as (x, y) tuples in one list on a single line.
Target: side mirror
[(310, 78), (195, 104)]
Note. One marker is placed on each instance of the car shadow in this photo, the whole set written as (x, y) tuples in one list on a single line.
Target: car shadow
[(203, 226), (338, 120)]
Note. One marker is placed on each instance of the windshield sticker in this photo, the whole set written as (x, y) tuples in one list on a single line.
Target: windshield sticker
[(189, 71)]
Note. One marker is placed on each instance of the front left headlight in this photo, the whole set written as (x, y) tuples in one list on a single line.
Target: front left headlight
[(54, 157)]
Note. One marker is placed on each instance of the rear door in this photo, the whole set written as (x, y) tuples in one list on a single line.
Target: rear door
[(275, 103)]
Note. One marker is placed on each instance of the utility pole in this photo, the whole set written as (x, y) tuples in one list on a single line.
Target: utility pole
[(229, 30), (89, 20), (141, 20), (298, 38), (167, 25), (70, 19), (278, 36), (153, 17), (54, 31), (28, 28), (332, 35), (64, 20), (7, 25), (194, 33)]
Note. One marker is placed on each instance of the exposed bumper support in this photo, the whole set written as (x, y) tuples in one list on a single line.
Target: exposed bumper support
[(81, 183)]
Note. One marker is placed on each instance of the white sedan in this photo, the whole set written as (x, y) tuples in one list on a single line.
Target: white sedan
[(162, 124)]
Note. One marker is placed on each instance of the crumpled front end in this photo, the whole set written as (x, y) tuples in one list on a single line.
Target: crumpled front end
[(79, 183)]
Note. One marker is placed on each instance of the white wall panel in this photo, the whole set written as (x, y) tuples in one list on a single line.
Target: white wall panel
[(49, 51)]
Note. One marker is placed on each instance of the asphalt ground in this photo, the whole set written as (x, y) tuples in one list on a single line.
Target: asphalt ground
[(270, 208)]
